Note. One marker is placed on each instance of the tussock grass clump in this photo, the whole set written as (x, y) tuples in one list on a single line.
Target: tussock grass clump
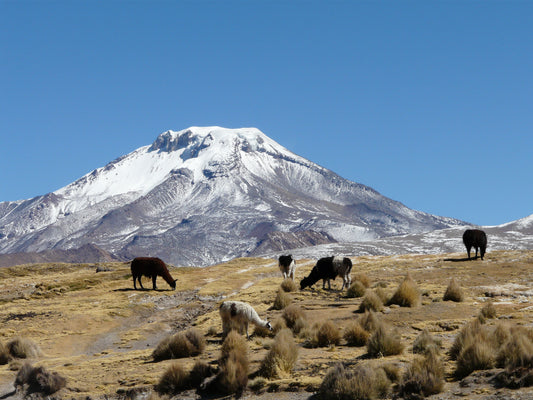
[(381, 294), (488, 311), (356, 289), (261, 331), (407, 294), (295, 318), (384, 342), (470, 333), (199, 372), (426, 342), (4, 354), (288, 285), (174, 380), (516, 356), (453, 292), (177, 379), (369, 321), (324, 334), (361, 382), (38, 379), (282, 356), (278, 325), (356, 335), (363, 279), (282, 300), (371, 302), (21, 347), (479, 355), (180, 345), (423, 377), (233, 364), (517, 351)]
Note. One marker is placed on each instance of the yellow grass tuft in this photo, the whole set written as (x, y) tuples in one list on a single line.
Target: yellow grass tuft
[(288, 285), (453, 292), (282, 300), (356, 335), (360, 382), (233, 364), (407, 294), (371, 302), (384, 342), (423, 377), (281, 358), (180, 345)]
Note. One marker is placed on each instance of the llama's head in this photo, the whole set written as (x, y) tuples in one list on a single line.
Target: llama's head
[(305, 282), (173, 284), (268, 326)]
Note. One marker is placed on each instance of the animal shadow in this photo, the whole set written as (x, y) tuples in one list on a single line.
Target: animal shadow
[(141, 290), (461, 259)]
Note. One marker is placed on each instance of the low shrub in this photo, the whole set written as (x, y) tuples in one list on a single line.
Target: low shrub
[(369, 321), (479, 355), (356, 335), (384, 342), (426, 342), (23, 348), (233, 364), (371, 302), (38, 379), (295, 318), (288, 285), (488, 311), (199, 372), (423, 377), (4, 354), (282, 300), (453, 292), (381, 294), (174, 380), (281, 358), (363, 279), (278, 325), (517, 351), (470, 333), (361, 382), (407, 294), (356, 289), (500, 334), (262, 331), (177, 379), (180, 345), (326, 334)]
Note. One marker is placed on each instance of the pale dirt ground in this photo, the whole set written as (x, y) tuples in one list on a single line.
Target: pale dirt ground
[(99, 333)]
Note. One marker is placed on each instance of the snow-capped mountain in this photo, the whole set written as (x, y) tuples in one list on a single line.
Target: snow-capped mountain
[(204, 195)]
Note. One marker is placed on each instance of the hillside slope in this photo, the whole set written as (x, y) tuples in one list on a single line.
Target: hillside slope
[(99, 333)]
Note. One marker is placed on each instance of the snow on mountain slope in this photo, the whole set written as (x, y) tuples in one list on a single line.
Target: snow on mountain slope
[(516, 235), (205, 195)]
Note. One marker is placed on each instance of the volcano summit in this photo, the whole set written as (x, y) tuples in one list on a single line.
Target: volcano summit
[(205, 195)]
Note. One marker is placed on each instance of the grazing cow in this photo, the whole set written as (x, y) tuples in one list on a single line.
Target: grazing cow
[(477, 239), (329, 268), (287, 266), (151, 267)]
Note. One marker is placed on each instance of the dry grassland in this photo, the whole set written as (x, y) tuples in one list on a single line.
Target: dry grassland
[(99, 333)]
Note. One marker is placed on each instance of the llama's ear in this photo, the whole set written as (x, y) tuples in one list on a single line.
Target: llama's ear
[(175, 280)]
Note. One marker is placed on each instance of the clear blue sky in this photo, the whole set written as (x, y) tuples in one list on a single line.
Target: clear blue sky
[(428, 102)]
